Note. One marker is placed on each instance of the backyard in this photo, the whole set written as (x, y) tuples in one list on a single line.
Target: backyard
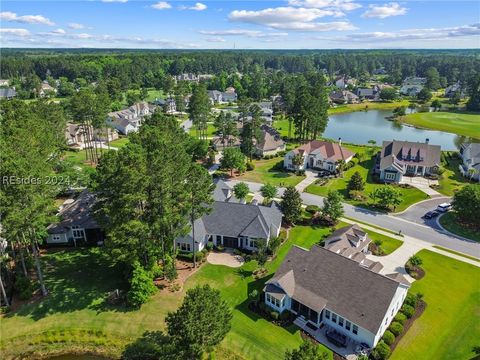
[(461, 123), (409, 195), (451, 180), (450, 326), (120, 142)]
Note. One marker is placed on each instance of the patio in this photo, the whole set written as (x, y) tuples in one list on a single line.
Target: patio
[(227, 258)]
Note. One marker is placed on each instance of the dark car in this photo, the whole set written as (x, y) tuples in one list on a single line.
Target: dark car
[(431, 214)]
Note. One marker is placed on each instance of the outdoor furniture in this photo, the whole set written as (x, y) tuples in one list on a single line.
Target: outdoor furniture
[(336, 338)]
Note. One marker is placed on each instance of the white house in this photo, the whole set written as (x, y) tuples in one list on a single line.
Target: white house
[(45, 88), (332, 294), (470, 154), (319, 155), (130, 120)]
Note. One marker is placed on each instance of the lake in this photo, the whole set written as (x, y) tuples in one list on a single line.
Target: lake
[(361, 126)]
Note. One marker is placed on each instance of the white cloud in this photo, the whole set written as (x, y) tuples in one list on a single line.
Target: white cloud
[(291, 18), (112, 1), (162, 5), (242, 32), (76, 26), (343, 5), (59, 32), (15, 32), (197, 7), (384, 11), (216, 39), (27, 19)]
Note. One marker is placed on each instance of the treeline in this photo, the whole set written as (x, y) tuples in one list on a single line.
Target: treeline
[(143, 68)]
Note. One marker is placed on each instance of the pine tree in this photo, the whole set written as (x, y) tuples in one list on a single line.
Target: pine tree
[(356, 182), (291, 205)]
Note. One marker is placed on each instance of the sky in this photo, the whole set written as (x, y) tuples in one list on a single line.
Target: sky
[(253, 24)]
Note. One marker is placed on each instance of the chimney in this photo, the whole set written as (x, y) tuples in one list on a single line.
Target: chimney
[(427, 140), (339, 141)]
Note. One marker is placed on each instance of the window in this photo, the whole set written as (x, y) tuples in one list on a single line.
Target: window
[(334, 318), (340, 321), (56, 238), (355, 329), (183, 246), (327, 314), (390, 176), (274, 301), (252, 244), (348, 325)]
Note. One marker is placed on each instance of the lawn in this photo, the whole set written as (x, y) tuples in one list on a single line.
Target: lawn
[(265, 172), (409, 195), (449, 222), (461, 123), (451, 180), (121, 142), (211, 131), (388, 245), (340, 109), (450, 325), (74, 315)]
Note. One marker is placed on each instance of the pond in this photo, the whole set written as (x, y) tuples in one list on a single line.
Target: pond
[(361, 126)]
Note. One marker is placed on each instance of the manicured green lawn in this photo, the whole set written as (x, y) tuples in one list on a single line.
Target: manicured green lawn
[(211, 131), (389, 244), (450, 325), (451, 180), (466, 124), (367, 106), (449, 222), (264, 172), (121, 142), (409, 196)]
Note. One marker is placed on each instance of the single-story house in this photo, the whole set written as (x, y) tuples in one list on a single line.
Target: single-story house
[(328, 291), (45, 88), (130, 120), (76, 223), (7, 93), (233, 224), (372, 94), (221, 97), (344, 97), (319, 155), (270, 143), (398, 158), (411, 86), (220, 143), (343, 81), (470, 154)]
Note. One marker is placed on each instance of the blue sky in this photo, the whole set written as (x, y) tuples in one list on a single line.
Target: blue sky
[(292, 24)]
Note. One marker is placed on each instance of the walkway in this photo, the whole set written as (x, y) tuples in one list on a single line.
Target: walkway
[(309, 179), (421, 184)]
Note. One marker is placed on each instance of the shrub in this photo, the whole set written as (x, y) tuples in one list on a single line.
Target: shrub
[(274, 244), (381, 351), (157, 271), (220, 248), (199, 256), (209, 246), (312, 209), (300, 172), (411, 300), (263, 307), (408, 311), (141, 286), (388, 337), (401, 318), (253, 294), (250, 166), (169, 270), (285, 316), (274, 315), (396, 328), (4, 309), (23, 286)]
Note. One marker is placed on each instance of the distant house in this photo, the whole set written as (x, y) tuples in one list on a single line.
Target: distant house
[(215, 96), (7, 93), (76, 135), (270, 142), (229, 95), (411, 86), (168, 105), (319, 155), (334, 297), (46, 88), (342, 82), (76, 224), (372, 94), (344, 97), (192, 77), (454, 89), (130, 120), (4, 82), (398, 158), (470, 154), (221, 97), (220, 143), (233, 224)]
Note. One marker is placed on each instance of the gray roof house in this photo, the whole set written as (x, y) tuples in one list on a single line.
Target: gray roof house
[(398, 158), (76, 223), (470, 154), (130, 119), (334, 297), (7, 93), (343, 97), (270, 142), (233, 224)]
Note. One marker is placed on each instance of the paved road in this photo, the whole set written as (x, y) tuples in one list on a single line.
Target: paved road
[(415, 229), (186, 125), (415, 212)]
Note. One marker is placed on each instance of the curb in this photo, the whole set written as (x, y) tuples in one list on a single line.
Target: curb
[(432, 198), (446, 232)]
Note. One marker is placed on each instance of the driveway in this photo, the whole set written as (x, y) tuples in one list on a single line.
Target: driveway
[(227, 258), (186, 125), (421, 184), (309, 179)]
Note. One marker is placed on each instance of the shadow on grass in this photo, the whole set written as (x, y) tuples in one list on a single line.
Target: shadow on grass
[(76, 279)]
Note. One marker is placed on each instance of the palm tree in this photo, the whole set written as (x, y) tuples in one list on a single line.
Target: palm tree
[(341, 166)]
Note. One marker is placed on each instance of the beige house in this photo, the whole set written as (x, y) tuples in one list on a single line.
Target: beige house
[(270, 143)]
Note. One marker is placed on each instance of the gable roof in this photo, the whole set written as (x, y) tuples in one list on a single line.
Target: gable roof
[(329, 150), (393, 153), (7, 93), (223, 191), (270, 140), (350, 237), (321, 278)]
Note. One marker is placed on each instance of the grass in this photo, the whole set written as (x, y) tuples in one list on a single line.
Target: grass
[(373, 226), (461, 123), (340, 109), (121, 142), (457, 253), (449, 222), (450, 325), (75, 317), (211, 131), (265, 172), (388, 245), (451, 180), (409, 195)]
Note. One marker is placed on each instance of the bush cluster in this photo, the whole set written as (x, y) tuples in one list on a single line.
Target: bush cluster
[(396, 328), (24, 287), (381, 352), (250, 166), (388, 337), (401, 318), (408, 310)]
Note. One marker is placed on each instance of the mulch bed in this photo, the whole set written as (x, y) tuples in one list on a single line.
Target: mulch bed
[(375, 249), (417, 273), (306, 336), (184, 270), (419, 309)]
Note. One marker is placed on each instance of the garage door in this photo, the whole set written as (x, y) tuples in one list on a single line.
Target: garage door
[(230, 242)]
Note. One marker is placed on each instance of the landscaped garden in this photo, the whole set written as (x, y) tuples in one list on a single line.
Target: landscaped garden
[(409, 195), (450, 326), (386, 243)]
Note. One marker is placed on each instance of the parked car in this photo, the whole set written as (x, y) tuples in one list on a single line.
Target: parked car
[(431, 214), (444, 207)]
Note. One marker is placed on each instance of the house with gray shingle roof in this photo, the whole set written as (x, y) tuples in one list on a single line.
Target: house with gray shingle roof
[(270, 142), (330, 293), (7, 93), (233, 224)]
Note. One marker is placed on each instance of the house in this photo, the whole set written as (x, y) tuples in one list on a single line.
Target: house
[(470, 155), (319, 155), (270, 142), (192, 77), (343, 81), (398, 158), (215, 96), (352, 242), (233, 224), (344, 97), (45, 89), (220, 143), (7, 93), (452, 90), (333, 296), (221, 97), (229, 95), (76, 223), (372, 94), (130, 120), (75, 135), (168, 105), (411, 86), (4, 82)]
